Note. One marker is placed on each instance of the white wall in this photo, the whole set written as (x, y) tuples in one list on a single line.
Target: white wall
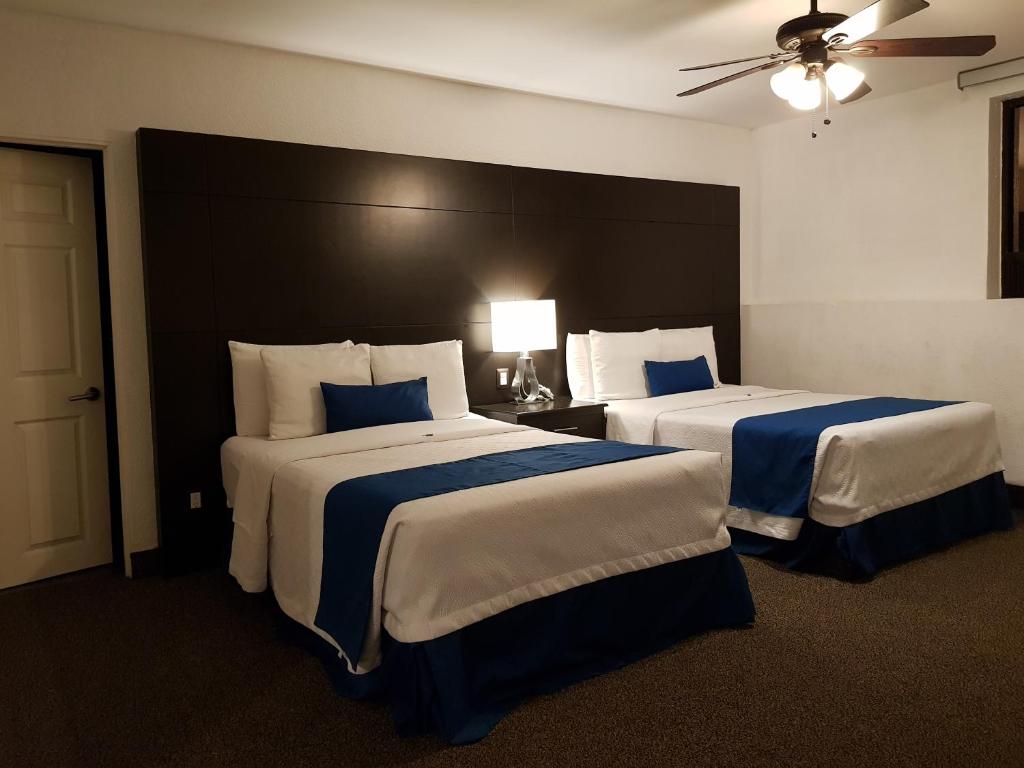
[(874, 252), (66, 82)]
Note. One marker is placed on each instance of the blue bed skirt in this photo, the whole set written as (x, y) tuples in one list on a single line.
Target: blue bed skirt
[(860, 551), (462, 684)]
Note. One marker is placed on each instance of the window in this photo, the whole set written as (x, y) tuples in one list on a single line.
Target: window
[(1013, 199)]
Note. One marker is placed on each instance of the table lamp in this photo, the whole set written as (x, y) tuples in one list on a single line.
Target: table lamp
[(522, 326)]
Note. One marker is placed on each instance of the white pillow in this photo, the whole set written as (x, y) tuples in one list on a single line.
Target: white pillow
[(440, 362), (689, 344), (578, 367), (293, 385), (252, 414), (618, 363)]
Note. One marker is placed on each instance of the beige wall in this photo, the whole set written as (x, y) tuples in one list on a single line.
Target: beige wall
[(875, 255), (67, 82)]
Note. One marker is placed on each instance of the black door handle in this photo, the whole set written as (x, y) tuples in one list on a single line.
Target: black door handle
[(90, 394)]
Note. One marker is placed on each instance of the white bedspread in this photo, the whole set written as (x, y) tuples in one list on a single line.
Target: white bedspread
[(860, 469), (448, 561)]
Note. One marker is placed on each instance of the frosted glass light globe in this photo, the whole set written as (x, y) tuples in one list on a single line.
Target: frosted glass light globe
[(785, 83), (843, 79), (807, 95)]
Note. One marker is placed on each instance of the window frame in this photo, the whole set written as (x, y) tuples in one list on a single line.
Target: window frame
[(1011, 262)]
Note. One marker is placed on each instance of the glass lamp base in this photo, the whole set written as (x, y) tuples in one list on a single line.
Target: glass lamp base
[(525, 387)]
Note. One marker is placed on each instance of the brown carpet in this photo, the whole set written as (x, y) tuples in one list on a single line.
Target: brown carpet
[(923, 666)]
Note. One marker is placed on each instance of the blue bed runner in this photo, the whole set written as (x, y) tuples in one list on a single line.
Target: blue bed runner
[(357, 510), (773, 455)]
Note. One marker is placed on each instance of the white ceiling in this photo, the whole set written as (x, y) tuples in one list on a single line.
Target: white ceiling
[(619, 52)]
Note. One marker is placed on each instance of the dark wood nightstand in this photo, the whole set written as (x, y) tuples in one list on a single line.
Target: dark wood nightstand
[(563, 414)]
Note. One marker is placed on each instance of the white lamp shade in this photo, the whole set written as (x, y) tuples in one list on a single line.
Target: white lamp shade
[(521, 326)]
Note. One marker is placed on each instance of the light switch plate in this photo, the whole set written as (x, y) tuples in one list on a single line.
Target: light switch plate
[(195, 500), (502, 378)]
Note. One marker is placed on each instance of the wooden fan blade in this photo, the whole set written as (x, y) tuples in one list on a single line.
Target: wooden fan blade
[(977, 45), (877, 15), (734, 61), (736, 76), (862, 90)]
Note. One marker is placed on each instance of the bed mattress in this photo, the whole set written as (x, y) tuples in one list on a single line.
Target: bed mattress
[(451, 560), (860, 470)]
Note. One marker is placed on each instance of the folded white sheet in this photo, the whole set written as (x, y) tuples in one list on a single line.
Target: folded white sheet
[(860, 470), (448, 561)]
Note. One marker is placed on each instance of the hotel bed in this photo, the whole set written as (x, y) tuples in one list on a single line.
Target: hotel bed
[(456, 565), (846, 484)]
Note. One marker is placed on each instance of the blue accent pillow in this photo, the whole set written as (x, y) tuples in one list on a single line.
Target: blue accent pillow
[(678, 376), (357, 406)]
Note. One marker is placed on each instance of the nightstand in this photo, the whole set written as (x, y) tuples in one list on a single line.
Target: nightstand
[(563, 414)]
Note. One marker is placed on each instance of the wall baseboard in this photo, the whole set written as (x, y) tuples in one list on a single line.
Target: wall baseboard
[(1016, 496), (146, 563)]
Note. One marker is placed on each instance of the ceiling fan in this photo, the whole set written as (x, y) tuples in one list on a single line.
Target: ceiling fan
[(810, 43)]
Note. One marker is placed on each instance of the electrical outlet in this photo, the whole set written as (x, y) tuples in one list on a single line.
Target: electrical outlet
[(502, 378), (195, 500)]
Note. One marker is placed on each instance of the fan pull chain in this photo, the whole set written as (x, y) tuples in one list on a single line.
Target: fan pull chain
[(814, 116), (828, 115)]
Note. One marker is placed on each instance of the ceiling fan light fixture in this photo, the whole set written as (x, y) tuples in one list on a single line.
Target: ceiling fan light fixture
[(807, 70), (785, 83), (842, 79), (807, 95)]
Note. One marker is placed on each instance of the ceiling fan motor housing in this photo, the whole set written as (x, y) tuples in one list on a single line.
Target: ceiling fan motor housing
[(803, 30)]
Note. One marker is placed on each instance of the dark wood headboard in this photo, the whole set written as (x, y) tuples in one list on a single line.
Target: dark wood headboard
[(271, 242)]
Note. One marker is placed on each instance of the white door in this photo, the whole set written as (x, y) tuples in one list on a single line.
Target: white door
[(54, 505)]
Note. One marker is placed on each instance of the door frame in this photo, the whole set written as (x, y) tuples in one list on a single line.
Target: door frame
[(95, 157)]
